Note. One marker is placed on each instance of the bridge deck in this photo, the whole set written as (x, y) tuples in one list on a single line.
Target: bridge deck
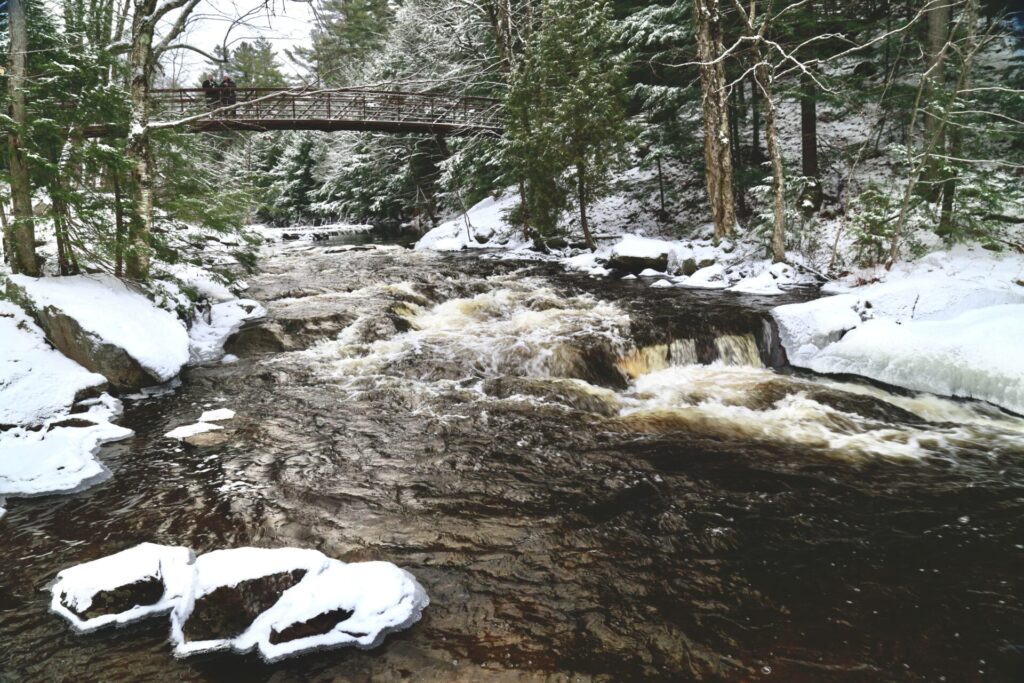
[(259, 109)]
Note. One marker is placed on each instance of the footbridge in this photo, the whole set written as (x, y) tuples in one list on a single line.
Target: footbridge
[(377, 111)]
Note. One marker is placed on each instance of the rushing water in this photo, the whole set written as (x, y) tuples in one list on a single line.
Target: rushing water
[(593, 480)]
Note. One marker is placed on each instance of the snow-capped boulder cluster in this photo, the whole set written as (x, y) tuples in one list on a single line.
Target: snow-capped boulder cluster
[(280, 602)]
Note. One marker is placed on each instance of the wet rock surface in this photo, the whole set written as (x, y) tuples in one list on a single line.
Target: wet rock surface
[(228, 610), (316, 626), (720, 524), (136, 594)]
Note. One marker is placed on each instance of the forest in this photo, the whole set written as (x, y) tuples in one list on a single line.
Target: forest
[(858, 132)]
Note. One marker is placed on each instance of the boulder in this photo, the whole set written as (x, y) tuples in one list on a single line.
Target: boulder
[(105, 327), (637, 264)]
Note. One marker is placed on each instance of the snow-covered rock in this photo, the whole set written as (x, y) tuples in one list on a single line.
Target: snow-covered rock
[(482, 227), (636, 254), (977, 354), (186, 431), (118, 589), (769, 281), (365, 601), (217, 415), (280, 602), (233, 588), (711, 277), (805, 329), (105, 326), (949, 324), (36, 382)]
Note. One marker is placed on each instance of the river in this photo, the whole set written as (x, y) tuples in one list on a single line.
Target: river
[(593, 480)]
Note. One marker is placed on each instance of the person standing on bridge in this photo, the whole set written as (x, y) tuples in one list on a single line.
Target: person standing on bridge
[(228, 94), (211, 91)]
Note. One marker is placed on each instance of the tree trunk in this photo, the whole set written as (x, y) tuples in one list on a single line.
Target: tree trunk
[(764, 77), (581, 187), (21, 237), (140, 224), (118, 226), (939, 15), (717, 154), (755, 124), (808, 126)]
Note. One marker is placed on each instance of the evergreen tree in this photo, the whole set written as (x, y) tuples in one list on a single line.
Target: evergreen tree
[(348, 32), (567, 111), (255, 65)]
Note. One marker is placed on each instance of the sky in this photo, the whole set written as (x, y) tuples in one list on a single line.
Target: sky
[(285, 23)]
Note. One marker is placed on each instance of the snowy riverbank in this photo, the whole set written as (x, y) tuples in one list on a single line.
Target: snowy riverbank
[(950, 324), (69, 340)]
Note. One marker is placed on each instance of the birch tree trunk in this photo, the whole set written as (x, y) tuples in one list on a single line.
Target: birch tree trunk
[(717, 148), (21, 235), (764, 79), (140, 224), (581, 190)]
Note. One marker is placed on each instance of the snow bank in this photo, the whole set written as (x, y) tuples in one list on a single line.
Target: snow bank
[(59, 456), (482, 227), (314, 602), (209, 332), (105, 307), (948, 324), (75, 589), (977, 354), (36, 382)]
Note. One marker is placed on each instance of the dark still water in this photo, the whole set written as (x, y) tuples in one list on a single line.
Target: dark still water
[(592, 480)]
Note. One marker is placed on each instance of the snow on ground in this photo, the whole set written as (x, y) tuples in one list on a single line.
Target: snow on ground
[(212, 329), (949, 324), (368, 599), (36, 382), (205, 283), (482, 227), (105, 307), (59, 457)]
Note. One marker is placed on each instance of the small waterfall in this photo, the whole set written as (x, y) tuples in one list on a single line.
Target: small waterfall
[(648, 359), (738, 349), (724, 349)]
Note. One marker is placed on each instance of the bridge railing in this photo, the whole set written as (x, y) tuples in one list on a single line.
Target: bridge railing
[(271, 104)]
